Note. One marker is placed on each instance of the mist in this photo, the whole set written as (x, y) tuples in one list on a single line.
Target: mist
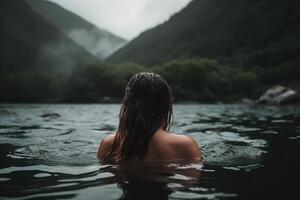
[(124, 18), (101, 47)]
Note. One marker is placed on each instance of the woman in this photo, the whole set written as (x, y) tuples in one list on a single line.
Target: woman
[(145, 118)]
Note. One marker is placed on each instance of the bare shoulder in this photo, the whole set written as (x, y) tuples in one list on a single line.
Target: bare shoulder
[(181, 139), (108, 139), (105, 145), (186, 146)]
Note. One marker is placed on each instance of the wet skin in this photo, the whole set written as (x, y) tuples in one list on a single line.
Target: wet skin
[(163, 147)]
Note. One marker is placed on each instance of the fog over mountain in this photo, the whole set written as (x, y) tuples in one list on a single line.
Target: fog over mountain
[(28, 42), (211, 51), (99, 42), (32, 50), (124, 18)]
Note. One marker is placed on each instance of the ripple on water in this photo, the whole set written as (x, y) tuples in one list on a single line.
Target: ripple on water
[(42, 175), (30, 127), (294, 137), (57, 157), (50, 115), (230, 149), (68, 131), (15, 134), (196, 195), (7, 113), (4, 179), (106, 127), (223, 154)]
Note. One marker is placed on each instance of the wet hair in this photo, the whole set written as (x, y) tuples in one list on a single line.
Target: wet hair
[(147, 107)]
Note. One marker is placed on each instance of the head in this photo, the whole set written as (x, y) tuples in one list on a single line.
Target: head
[(147, 107)]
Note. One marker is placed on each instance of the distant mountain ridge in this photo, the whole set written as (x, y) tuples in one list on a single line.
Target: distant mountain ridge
[(29, 42), (211, 51), (35, 57), (98, 42), (248, 33)]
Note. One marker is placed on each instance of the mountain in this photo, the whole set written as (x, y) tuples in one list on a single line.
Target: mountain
[(211, 51), (99, 42), (246, 33), (34, 55), (28, 42)]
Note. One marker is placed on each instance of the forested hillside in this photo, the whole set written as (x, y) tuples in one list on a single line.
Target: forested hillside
[(211, 51), (248, 33), (31, 50), (223, 49)]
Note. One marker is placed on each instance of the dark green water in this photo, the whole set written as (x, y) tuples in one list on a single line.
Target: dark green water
[(49, 152)]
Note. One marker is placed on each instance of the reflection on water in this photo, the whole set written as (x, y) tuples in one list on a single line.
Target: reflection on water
[(48, 151)]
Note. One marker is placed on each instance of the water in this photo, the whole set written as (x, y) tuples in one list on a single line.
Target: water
[(49, 152)]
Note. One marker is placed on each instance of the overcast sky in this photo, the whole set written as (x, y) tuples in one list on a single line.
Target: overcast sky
[(126, 18)]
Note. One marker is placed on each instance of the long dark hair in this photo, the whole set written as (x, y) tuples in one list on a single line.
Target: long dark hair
[(147, 107)]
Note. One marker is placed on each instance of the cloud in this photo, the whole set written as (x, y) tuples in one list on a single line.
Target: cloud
[(124, 18)]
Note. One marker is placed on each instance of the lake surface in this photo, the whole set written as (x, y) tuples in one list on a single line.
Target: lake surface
[(49, 152)]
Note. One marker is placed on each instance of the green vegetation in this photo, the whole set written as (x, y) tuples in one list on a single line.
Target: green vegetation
[(199, 80), (255, 44), (212, 51), (89, 83), (35, 56), (246, 33), (29, 43)]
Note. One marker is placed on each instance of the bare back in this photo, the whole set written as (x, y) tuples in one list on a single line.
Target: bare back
[(163, 147)]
